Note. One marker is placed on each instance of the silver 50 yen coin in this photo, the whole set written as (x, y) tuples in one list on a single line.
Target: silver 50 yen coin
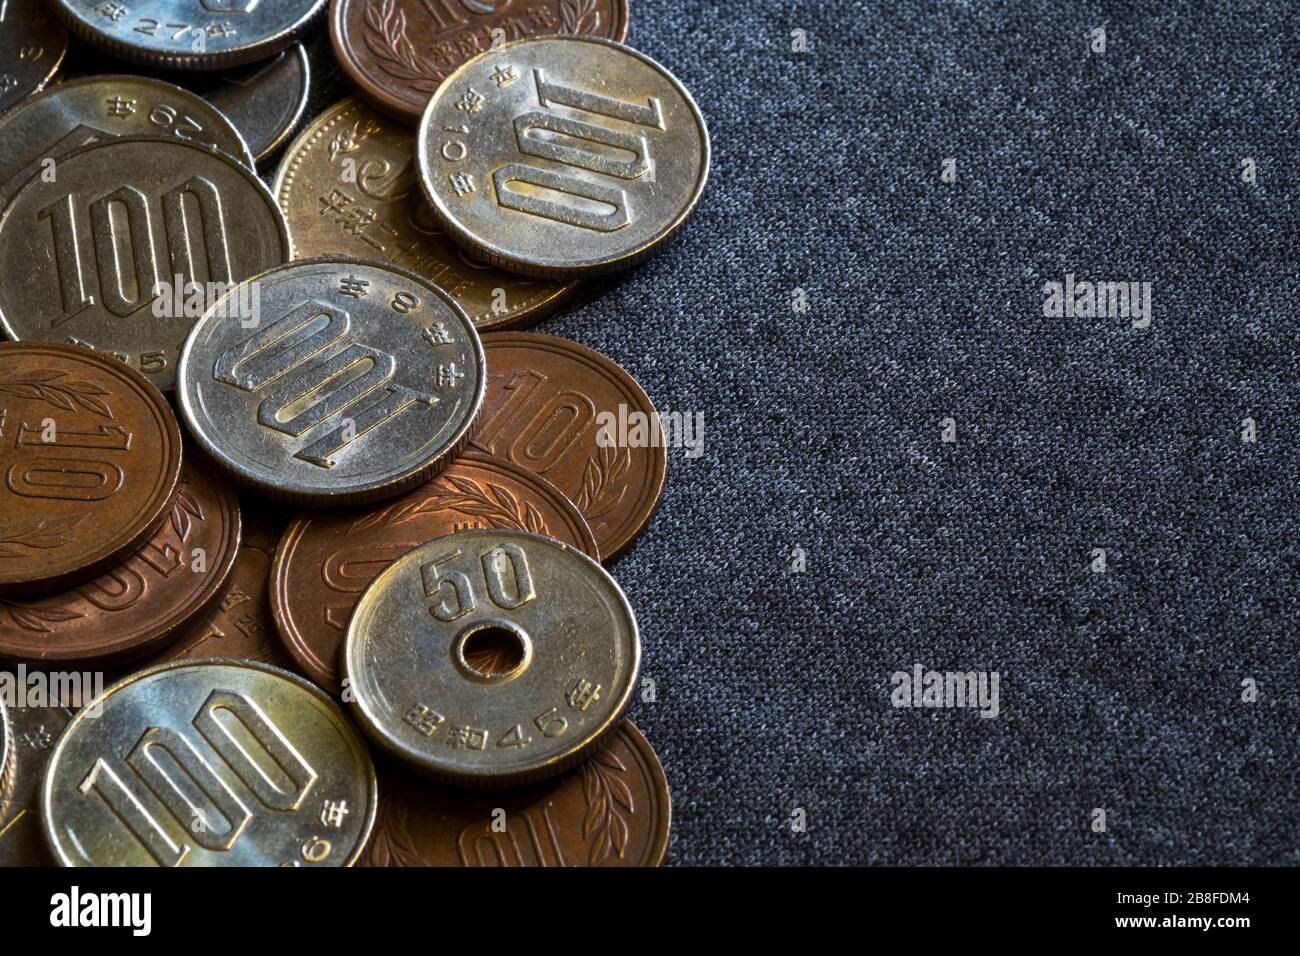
[(491, 657)]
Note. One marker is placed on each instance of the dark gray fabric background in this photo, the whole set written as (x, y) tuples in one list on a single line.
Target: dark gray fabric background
[(1119, 690)]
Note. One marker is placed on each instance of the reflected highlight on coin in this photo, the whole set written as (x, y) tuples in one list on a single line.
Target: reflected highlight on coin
[(216, 762), (35, 731), (361, 381), (562, 156), (90, 457), (614, 809), (190, 34), (348, 184), (93, 109), (327, 559), (33, 43), (265, 101), (491, 658)]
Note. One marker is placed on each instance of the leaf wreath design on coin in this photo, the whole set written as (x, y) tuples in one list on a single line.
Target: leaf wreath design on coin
[(398, 51), (33, 43), (348, 184), (543, 411), (491, 657), (238, 623), (194, 220), (140, 605), (360, 382), (612, 810), (294, 786), (326, 559), (562, 156), (89, 457), (190, 34)]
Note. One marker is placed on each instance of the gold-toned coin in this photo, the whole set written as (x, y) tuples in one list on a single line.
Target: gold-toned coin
[(562, 156), (216, 762), (5, 747), (348, 184), (33, 733), (491, 657)]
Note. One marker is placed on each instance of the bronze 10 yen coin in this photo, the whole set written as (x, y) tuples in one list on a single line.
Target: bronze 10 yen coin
[(327, 559), (398, 51), (347, 184), (614, 809), (491, 658), (127, 245), (238, 622), (90, 457), (562, 156), (189, 34), (359, 382), (215, 762), (144, 602), (547, 404), (32, 45)]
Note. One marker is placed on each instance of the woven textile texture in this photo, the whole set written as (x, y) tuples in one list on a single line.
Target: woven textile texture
[(1120, 689)]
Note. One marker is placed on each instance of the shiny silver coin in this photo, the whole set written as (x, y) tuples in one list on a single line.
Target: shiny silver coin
[(6, 749), (190, 34), (79, 112), (491, 657), (353, 382), (33, 42), (562, 156), (264, 101), (214, 762)]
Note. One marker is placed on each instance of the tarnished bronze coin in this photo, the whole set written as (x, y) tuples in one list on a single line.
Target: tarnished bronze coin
[(238, 623), (361, 381), (35, 135), (398, 51), (347, 184), (32, 45), (144, 602), (491, 657), (214, 762), (327, 559), (89, 457), (547, 404), (265, 101), (35, 731), (129, 243), (189, 34), (613, 810), (562, 156)]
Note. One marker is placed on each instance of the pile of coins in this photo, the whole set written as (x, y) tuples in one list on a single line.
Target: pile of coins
[(428, 664)]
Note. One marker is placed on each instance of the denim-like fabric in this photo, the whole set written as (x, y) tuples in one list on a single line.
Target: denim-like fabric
[(1118, 690)]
